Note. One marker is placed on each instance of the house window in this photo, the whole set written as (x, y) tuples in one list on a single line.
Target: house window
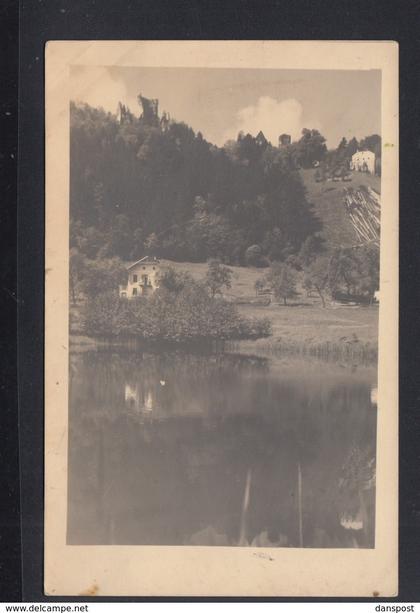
[(134, 278), (134, 291), (154, 268), (145, 279)]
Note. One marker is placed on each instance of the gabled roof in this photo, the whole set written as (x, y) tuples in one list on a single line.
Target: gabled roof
[(147, 259)]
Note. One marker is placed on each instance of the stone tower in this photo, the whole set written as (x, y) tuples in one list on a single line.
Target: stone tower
[(149, 108)]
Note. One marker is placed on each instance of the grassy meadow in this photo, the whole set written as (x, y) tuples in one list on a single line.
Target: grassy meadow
[(303, 325), (336, 331)]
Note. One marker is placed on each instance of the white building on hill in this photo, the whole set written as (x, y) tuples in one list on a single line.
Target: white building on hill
[(363, 161), (143, 278)]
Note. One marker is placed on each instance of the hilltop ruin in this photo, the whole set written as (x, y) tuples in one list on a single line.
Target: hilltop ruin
[(149, 115)]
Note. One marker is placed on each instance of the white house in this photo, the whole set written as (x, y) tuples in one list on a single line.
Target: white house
[(143, 278), (363, 161)]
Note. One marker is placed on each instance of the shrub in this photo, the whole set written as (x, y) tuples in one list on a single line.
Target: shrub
[(253, 256), (252, 327), (185, 315)]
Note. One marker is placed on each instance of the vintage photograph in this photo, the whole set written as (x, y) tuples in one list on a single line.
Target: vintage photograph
[(221, 318), (224, 295)]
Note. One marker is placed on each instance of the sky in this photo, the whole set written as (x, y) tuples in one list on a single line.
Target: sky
[(220, 102)]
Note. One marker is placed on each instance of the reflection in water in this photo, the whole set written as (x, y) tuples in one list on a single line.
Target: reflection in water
[(138, 398), (374, 395), (220, 449)]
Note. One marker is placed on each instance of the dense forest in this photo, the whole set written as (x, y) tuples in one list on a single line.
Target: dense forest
[(151, 185)]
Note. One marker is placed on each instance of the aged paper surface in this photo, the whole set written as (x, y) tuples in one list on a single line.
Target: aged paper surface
[(148, 570)]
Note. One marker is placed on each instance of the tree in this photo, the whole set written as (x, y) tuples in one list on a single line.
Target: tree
[(369, 271), (120, 242), (355, 271), (372, 143), (87, 240), (138, 243), (253, 255), (307, 284), (339, 159), (98, 203), (218, 277), (151, 244), (342, 272), (100, 313), (173, 281), (76, 270), (352, 147), (259, 286), (310, 148), (317, 276), (103, 275), (341, 154), (342, 145), (282, 279), (274, 244), (343, 171), (310, 248), (139, 188)]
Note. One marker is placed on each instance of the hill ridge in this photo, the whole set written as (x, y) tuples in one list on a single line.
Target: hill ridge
[(328, 202)]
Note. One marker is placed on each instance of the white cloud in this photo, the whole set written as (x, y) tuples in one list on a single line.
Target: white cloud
[(273, 117)]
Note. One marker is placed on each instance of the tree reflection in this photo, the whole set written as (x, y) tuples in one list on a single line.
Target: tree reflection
[(226, 451)]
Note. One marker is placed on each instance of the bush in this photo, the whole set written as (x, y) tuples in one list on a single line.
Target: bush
[(101, 313), (252, 327), (187, 315), (253, 256)]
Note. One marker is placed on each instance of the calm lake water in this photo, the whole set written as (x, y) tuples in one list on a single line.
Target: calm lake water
[(220, 449)]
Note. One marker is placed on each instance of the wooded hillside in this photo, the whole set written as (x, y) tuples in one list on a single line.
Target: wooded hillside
[(145, 186)]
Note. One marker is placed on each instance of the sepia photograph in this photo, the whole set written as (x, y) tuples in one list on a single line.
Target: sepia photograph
[(224, 294), (224, 282)]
